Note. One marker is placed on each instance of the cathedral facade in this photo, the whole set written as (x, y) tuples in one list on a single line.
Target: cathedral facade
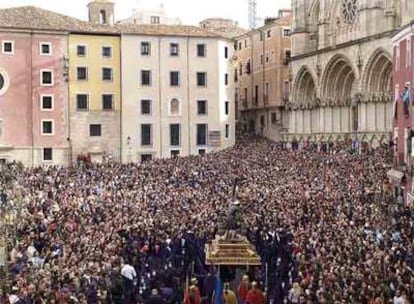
[(341, 70)]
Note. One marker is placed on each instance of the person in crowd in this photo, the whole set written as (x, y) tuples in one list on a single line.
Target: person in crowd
[(323, 216), (193, 293), (255, 295), (243, 288), (229, 297)]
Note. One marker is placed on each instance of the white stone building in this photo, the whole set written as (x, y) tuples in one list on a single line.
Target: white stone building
[(342, 70), (151, 16), (177, 92)]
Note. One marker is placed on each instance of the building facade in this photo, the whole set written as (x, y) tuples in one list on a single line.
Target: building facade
[(262, 77), (151, 16), (401, 175), (177, 92), (342, 70), (33, 90), (72, 90), (95, 95)]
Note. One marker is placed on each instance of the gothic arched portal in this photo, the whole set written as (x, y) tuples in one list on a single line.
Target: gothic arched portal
[(304, 89), (338, 81), (378, 73)]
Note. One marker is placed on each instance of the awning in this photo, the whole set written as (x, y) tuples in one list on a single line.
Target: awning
[(395, 176)]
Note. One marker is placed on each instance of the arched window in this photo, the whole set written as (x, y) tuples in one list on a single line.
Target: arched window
[(102, 17), (174, 106), (4, 82)]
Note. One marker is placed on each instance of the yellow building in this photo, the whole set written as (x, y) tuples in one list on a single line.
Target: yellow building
[(95, 94)]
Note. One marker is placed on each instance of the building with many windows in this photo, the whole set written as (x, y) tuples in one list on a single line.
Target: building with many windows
[(262, 77), (177, 92), (33, 86), (126, 92), (95, 89), (401, 175)]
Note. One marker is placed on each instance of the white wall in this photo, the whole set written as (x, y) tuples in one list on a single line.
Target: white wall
[(188, 64)]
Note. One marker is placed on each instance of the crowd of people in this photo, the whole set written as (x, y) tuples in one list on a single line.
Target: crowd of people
[(323, 221)]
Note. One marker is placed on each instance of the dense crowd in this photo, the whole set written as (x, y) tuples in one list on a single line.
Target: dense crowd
[(323, 220)]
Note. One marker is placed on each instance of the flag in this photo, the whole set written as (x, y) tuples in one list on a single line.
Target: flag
[(218, 291)]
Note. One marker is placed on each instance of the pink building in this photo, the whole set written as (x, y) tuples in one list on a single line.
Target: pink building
[(33, 87), (401, 175)]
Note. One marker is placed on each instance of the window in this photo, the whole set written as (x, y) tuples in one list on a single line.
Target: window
[(175, 153), (201, 151), (226, 52), (155, 20), (106, 51), (202, 79), (47, 127), (174, 49), (46, 102), (146, 157), (81, 50), (287, 55), (262, 121), (174, 78), (286, 32), (202, 107), (107, 101), (95, 130), (269, 33), (240, 45), (174, 134), (145, 77), (146, 135), (226, 108), (201, 50), (256, 94), (261, 36), (397, 55), (3, 82), (47, 154), (273, 118), (82, 102), (45, 48), (227, 133), (146, 107), (408, 53), (82, 73), (145, 48), (174, 106), (261, 59), (201, 134), (226, 79), (107, 74), (102, 17), (46, 78), (8, 47)]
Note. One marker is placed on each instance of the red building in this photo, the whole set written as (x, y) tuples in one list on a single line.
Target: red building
[(401, 176)]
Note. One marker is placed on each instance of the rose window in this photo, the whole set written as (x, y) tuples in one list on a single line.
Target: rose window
[(349, 10)]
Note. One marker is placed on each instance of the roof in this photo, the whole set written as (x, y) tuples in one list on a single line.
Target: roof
[(164, 30), (34, 18)]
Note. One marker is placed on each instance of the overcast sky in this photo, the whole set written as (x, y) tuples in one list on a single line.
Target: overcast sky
[(190, 11)]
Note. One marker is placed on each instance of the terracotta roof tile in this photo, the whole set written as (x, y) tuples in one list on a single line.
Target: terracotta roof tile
[(164, 30), (34, 18)]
